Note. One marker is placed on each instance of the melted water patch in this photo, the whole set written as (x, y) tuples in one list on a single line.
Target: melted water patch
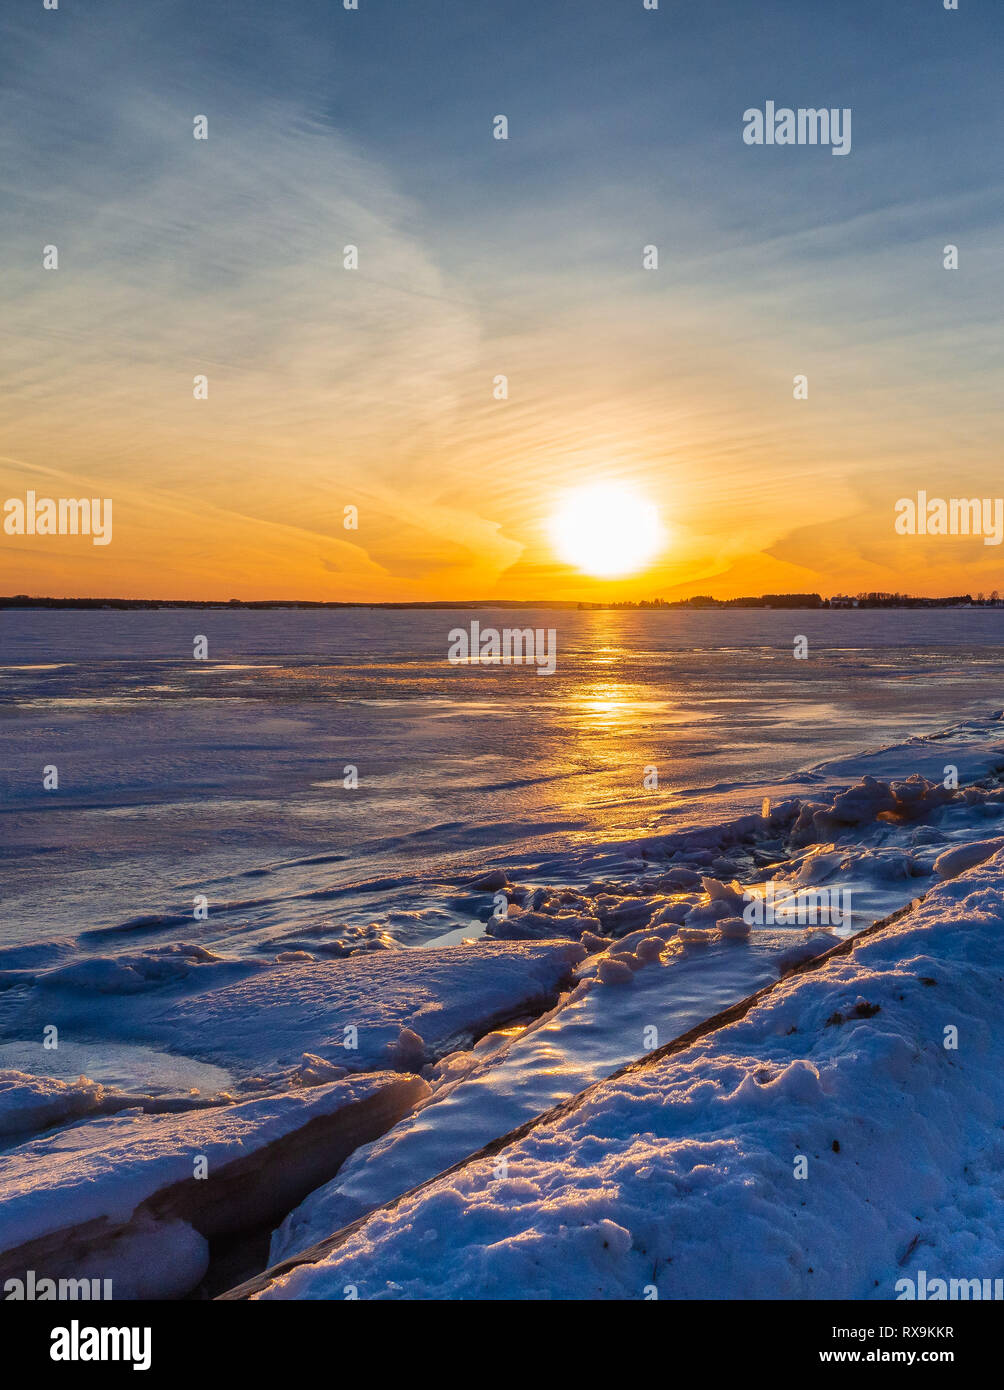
[(126, 1066)]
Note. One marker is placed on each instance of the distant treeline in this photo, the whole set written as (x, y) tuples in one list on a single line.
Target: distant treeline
[(863, 600), (870, 600), (26, 601)]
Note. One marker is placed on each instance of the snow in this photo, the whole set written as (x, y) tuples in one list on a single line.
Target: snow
[(617, 936), (36, 1102), (112, 1185), (667, 946), (681, 1172), (957, 860), (405, 1007), (512, 1077), (211, 1013), (33, 1101)]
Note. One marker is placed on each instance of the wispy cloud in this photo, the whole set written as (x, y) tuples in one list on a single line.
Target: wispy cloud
[(373, 387)]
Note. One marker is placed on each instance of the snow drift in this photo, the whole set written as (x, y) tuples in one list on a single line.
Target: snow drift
[(843, 1134)]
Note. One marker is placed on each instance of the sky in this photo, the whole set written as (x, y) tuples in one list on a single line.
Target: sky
[(374, 388)]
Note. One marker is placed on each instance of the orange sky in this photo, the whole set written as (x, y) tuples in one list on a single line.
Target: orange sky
[(373, 388)]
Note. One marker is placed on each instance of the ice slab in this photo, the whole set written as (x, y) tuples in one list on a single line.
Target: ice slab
[(136, 1198)]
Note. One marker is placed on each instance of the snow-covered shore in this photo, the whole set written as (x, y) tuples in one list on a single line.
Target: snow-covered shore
[(841, 1136), (586, 965)]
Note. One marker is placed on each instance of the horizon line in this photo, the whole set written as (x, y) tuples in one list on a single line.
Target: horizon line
[(870, 599)]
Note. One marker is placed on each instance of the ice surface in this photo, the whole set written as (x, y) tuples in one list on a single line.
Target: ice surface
[(225, 778), (119, 1064)]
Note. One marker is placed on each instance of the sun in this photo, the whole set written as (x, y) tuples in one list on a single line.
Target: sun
[(606, 529)]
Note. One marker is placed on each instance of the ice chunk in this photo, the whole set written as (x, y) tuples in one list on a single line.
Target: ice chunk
[(963, 857), (349, 1011), (124, 1191)]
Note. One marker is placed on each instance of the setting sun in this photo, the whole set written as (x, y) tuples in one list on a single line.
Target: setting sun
[(606, 529)]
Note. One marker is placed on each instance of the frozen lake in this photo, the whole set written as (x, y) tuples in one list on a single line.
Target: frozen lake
[(225, 777)]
